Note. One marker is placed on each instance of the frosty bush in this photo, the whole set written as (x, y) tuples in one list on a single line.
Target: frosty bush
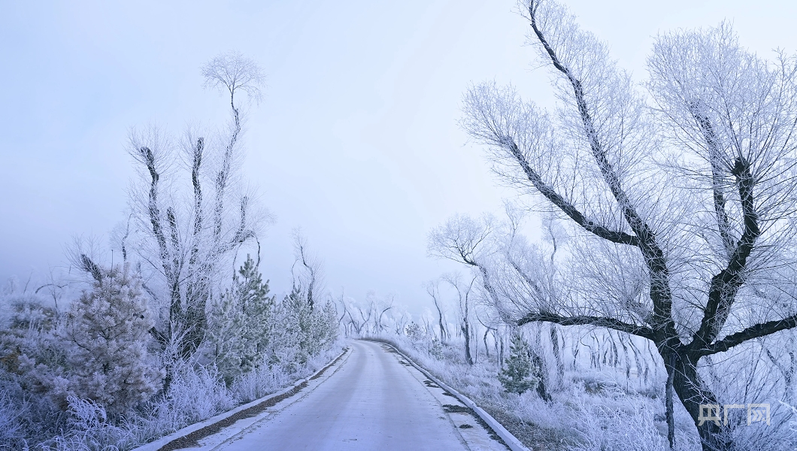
[(518, 374), (260, 382), (323, 329), (90, 429), (413, 331), (107, 331), (102, 355), (11, 431), (304, 329), (28, 335)]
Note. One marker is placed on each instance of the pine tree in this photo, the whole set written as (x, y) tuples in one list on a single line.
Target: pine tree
[(241, 324), (517, 376), (106, 335)]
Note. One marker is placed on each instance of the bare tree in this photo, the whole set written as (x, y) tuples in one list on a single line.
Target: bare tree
[(359, 322), (489, 328), (432, 288), (384, 309), (308, 280), (185, 246), (464, 290), (467, 241), (689, 190)]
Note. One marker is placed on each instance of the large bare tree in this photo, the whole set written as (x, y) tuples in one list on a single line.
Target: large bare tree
[(681, 196), (188, 233)]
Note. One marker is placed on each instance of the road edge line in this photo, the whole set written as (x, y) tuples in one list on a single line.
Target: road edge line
[(296, 387), (510, 440)]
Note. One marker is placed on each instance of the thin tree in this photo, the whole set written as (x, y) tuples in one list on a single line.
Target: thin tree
[(464, 292), (432, 288)]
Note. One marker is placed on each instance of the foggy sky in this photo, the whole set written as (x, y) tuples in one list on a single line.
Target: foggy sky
[(356, 140)]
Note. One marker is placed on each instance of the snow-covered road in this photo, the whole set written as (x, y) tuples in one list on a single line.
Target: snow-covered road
[(373, 401)]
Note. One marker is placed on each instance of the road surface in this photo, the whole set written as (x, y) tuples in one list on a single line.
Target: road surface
[(372, 401)]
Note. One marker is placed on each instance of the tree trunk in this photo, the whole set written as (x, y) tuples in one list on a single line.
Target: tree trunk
[(714, 435), (542, 375), (484, 338), (669, 413), (466, 332), (560, 367)]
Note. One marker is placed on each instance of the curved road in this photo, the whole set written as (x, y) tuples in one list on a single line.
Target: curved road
[(372, 401)]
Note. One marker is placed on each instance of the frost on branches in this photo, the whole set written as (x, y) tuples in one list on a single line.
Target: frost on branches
[(679, 199)]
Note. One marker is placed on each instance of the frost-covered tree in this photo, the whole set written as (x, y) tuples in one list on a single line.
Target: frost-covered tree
[(433, 289), (241, 324), (325, 327), (307, 278), (464, 290), (303, 331), (103, 340), (186, 243), (518, 376), (303, 326), (108, 330), (681, 199)]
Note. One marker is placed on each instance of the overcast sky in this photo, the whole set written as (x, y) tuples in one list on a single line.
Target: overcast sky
[(356, 140)]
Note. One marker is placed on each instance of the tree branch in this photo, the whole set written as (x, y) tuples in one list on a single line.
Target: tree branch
[(583, 320), (725, 285), (198, 214), (704, 123), (751, 333), (567, 208), (660, 292)]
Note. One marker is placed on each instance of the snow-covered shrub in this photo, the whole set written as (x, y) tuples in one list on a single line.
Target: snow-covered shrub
[(30, 313), (436, 348), (28, 333), (324, 329), (99, 350), (260, 382), (27, 337), (413, 331), (196, 393), (271, 378), (27, 418), (616, 424), (12, 434), (90, 430)]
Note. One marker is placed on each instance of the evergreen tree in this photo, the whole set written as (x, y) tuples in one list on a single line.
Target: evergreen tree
[(517, 376), (242, 322), (105, 335)]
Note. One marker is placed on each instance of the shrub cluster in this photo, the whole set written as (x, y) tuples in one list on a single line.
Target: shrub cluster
[(94, 376)]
